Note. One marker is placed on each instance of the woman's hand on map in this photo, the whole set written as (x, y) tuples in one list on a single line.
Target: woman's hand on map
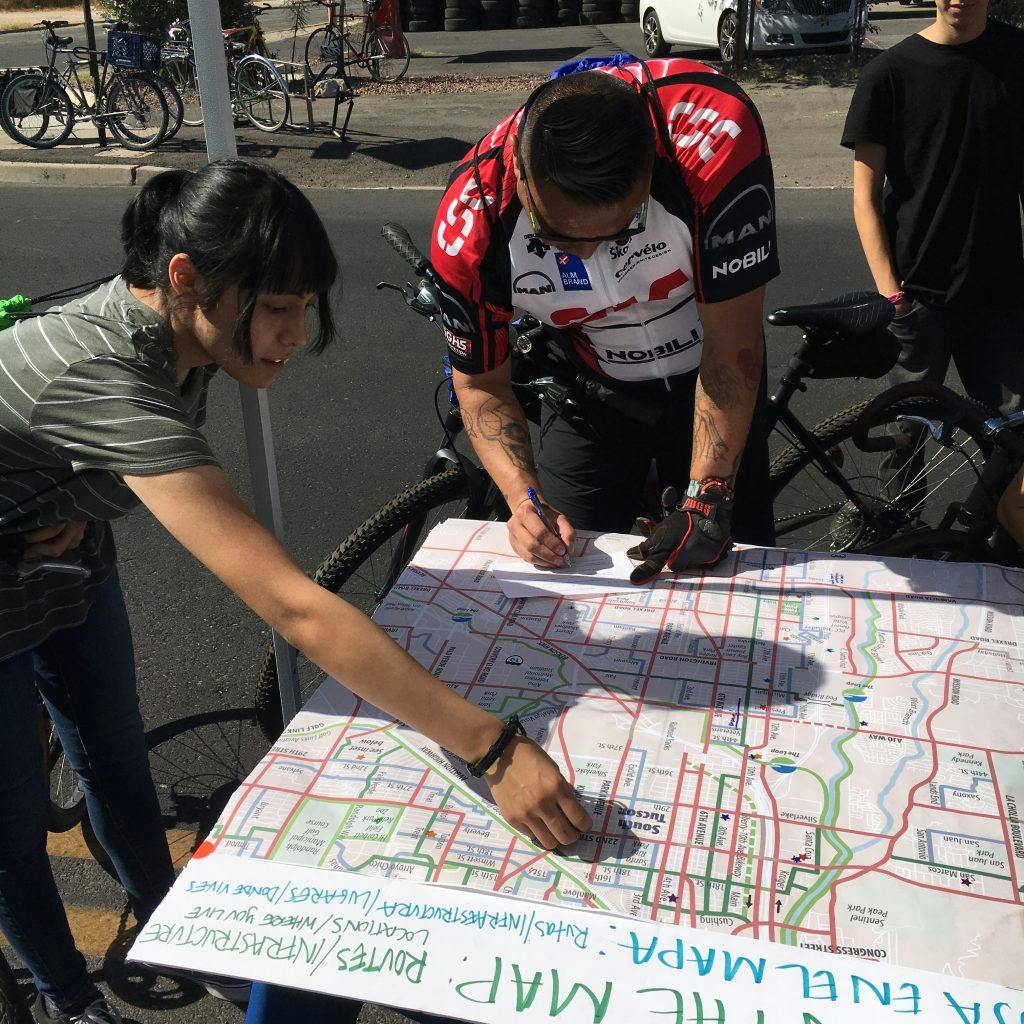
[(533, 796)]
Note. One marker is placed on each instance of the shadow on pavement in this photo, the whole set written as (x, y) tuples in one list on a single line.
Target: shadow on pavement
[(409, 154), (555, 54)]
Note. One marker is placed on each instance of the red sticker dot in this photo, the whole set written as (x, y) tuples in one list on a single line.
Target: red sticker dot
[(204, 849)]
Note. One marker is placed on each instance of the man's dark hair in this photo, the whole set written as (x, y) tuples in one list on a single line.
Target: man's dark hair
[(242, 225), (590, 135)]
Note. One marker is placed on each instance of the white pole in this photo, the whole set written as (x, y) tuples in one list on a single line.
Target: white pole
[(219, 122)]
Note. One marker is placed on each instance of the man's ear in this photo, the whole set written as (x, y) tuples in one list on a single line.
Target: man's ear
[(182, 278)]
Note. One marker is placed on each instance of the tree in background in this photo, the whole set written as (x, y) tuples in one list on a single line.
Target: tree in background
[(155, 16)]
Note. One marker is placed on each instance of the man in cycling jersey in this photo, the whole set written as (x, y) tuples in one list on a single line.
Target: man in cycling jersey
[(632, 209)]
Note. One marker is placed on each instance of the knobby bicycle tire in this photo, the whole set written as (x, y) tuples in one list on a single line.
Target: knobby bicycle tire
[(847, 530), (13, 1009), (412, 505), (36, 97)]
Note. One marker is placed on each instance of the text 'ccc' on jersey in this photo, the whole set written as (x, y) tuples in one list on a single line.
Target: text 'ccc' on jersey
[(630, 310)]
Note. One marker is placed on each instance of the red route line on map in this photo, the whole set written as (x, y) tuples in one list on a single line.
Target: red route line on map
[(801, 931), (713, 702), (1010, 856), (668, 844), (765, 734), (957, 810), (522, 867), (912, 795)]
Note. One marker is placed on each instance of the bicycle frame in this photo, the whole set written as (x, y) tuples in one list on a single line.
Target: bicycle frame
[(779, 412)]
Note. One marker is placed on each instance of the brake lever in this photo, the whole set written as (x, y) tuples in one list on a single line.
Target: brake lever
[(940, 432)]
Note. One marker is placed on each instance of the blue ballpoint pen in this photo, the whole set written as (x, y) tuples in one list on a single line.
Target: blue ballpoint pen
[(539, 509)]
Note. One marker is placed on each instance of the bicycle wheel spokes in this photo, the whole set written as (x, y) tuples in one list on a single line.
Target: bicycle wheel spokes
[(36, 112), (182, 73), (138, 114), (899, 474), (324, 51), (387, 54), (261, 94)]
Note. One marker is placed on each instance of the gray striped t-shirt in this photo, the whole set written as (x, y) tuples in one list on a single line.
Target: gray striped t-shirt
[(88, 392)]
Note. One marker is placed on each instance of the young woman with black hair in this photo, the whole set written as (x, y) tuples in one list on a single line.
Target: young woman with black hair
[(102, 403)]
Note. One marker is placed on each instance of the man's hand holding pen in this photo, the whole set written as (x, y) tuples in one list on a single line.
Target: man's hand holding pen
[(540, 534)]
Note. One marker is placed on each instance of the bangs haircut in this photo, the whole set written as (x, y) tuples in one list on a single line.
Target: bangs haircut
[(589, 135), (242, 225)]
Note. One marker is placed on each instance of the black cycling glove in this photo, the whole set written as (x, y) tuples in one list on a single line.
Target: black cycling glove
[(696, 534)]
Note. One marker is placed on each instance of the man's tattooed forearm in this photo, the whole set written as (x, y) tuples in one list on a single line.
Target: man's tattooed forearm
[(495, 421), (708, 442), (725, 383)]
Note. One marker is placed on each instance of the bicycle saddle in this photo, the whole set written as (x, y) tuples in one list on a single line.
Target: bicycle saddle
[(62, 40), (852, 315)]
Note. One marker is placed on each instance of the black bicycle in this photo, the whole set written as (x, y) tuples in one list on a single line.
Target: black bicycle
[(859, 480), (41, 109)]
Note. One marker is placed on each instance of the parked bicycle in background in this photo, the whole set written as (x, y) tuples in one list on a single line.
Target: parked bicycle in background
[(382, 50), (41, 109), (259, 92)]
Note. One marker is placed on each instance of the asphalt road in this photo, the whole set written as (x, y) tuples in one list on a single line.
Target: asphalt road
[(352, 427)]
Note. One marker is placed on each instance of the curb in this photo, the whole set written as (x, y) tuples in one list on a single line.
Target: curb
[(24, 172)]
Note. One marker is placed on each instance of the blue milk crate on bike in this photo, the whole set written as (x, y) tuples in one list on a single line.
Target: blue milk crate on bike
[(132, 50)]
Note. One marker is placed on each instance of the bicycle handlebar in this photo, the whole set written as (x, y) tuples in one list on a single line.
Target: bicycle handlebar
[(51, 25), (398, 238)]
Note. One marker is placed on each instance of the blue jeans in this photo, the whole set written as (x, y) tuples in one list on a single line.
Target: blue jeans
[(86, 677)]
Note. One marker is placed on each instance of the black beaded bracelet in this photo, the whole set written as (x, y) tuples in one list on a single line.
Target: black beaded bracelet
[(513, 727)]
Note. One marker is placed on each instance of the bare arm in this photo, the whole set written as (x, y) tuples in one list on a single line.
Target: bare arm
[(495, 423), (730, 374), (1011, 508), (868, 180), (201, 510)]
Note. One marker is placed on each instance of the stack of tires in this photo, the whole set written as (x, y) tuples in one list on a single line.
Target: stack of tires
[(461, 15), (536, 13), (496, 13), (629, 10), (568, 12), (599, 12), (422, 15)]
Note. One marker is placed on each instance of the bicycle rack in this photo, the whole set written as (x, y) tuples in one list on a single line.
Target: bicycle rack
[(296, 73)]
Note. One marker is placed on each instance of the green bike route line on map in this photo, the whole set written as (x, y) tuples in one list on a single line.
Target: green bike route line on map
[(797, 913)]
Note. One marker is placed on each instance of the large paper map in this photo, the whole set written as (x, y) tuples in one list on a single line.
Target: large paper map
[(819, 750)]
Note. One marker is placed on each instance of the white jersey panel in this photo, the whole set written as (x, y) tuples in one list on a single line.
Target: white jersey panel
[(635, 304)]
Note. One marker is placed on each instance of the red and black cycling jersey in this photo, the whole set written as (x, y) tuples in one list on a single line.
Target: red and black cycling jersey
[(630, 310)]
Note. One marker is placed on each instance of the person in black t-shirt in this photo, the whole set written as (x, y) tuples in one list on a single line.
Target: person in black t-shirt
[(937, 129)]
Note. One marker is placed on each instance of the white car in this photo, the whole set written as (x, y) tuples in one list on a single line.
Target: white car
[(779, 25)]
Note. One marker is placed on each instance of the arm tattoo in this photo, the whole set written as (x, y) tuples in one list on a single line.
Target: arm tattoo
[(497, 422), (708, 442), (723, 384)]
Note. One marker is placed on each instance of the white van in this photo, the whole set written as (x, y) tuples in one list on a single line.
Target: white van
[(779, 25)]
